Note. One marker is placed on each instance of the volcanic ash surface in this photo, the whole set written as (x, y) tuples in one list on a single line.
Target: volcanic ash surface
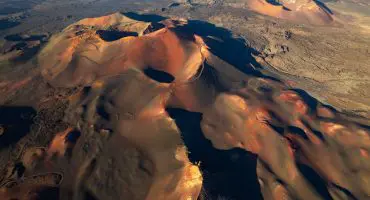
[(139, 80)]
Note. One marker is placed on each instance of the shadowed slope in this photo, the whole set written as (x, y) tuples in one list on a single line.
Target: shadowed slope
[(82, 52), (302, 148), (14, 124)]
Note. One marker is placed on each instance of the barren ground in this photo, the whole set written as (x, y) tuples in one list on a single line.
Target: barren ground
[(330, 63)]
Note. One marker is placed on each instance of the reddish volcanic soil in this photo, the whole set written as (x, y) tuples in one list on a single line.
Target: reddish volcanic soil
[(168, 109), (303, 11)]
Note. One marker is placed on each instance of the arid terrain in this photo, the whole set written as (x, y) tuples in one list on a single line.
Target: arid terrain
[(186, 99)]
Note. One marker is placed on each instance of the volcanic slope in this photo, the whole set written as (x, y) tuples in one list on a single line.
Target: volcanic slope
[(171, 109), (300, 11)]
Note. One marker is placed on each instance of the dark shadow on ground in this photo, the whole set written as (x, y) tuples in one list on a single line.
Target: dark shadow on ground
[(144, 17), (230, 174), (15, 123), (112, 35), (311, 101), (19, 37), (48, 193), (274, 2), (28, 54), (221, 42), (224, 45), (27, 45), (322, 5), (157, 75), (6, 24), (316, 181), (173, 5)]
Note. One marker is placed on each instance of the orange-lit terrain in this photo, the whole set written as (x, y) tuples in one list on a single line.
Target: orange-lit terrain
[(138, 79), (140, 106), (303, 11)]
